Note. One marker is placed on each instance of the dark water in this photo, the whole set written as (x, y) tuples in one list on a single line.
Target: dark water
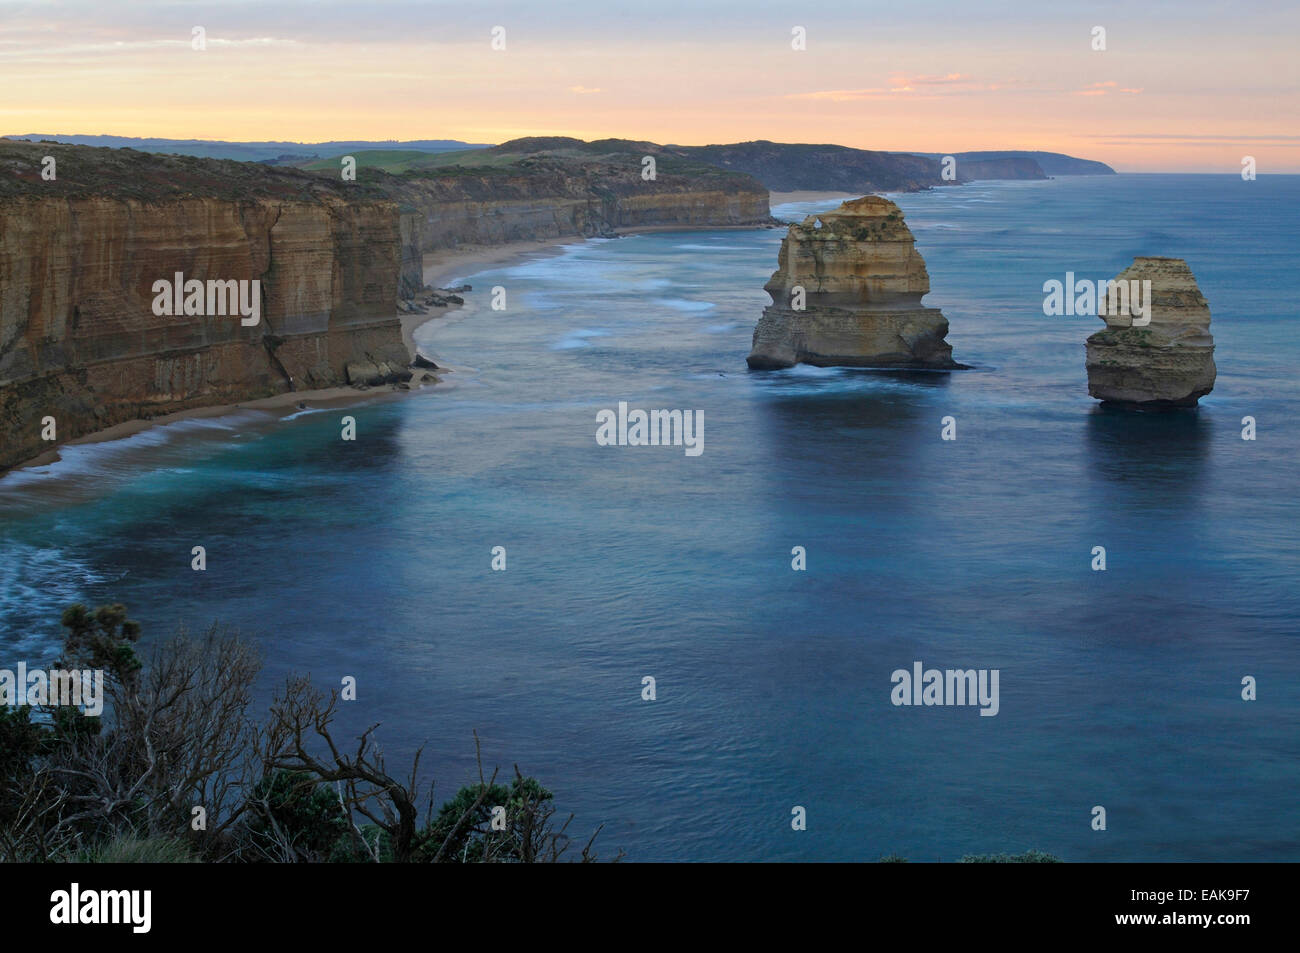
[(1118, 688)]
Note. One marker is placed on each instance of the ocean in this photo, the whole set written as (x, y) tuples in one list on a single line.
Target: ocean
[(1119, 688)]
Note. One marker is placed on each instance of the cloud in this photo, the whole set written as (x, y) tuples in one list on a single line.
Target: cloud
[(902, 79), (842, 95), (1195, 139), (584, 90), (118, 47), (911, 84), (1109, 86)]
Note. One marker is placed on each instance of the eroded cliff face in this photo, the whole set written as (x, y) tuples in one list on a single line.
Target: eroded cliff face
[(848, 292), (1167, 362), (79, 340), (80, 252), (554, 199)]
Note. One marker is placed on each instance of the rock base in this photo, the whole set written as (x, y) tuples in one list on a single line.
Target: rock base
[(835, 337)]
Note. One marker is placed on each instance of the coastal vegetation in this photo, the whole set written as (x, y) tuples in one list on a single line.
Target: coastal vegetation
[(1028, 857), (178, 769)]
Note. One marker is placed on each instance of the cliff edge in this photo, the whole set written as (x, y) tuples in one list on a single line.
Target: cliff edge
[(81, 344)]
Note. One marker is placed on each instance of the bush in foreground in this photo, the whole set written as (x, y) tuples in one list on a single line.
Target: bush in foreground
[(176, 769)]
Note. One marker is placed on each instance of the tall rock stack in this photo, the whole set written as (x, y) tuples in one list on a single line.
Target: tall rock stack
[(1168, 362), (848, 292)]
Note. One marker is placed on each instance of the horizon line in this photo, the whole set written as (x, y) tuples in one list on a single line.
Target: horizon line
[(473, 145)]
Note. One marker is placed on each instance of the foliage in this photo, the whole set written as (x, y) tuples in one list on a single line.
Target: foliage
[(102, 639), (1028, 857), (291, 808), (176, 769), (465, 825), (135, 850)]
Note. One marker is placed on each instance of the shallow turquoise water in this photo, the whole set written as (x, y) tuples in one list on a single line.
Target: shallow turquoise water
[(1118, 688)]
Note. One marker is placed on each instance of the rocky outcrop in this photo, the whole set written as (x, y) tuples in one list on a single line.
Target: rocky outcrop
[(848, 292), (1158, 356)]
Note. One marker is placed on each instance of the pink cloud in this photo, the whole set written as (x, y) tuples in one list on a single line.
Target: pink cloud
[(1101, 89)]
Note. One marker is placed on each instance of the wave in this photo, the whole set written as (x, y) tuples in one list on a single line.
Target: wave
[(578, 338), (36, 584), (93, 466), (303, 413), (685, 305)]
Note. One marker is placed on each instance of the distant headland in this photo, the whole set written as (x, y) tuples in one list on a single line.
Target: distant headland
[(781, 166)]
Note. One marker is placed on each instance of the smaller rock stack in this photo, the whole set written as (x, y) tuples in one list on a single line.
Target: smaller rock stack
[(1168, 362)]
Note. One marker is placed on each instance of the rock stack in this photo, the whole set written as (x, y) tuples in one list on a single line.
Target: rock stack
[(1162, 356), (848, 292)]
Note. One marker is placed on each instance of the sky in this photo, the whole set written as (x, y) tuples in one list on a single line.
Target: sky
[(1179, 87)]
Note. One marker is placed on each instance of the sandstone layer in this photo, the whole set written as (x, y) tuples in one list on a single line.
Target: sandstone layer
[(79, 340), (861, 281), (542, 196), (1168, 362)]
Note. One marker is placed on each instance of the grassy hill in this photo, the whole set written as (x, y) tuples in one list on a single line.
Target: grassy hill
[(536, 154), (1052, 163), (792, 167), (270, 152)]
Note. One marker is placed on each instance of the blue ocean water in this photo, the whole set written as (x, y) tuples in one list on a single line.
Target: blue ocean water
[(1118, 688)]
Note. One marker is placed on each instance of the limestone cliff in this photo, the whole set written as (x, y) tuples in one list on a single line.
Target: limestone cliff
[(79, 340), (1168, 362), (80, 253), (848, 292), (552, 188)]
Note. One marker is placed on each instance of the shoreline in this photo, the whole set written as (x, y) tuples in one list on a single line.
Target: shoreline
[(439, 274), (278, 405), (444, 269)]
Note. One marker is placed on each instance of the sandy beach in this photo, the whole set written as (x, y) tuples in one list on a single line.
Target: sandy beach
[(448, 268), (280, 405)]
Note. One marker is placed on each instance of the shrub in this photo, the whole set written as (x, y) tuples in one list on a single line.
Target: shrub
[(291, 817), (135, 850), (175, 737), (1028, 857)]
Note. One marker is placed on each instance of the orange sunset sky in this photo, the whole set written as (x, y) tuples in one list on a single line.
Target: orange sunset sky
[(1185, 86)]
